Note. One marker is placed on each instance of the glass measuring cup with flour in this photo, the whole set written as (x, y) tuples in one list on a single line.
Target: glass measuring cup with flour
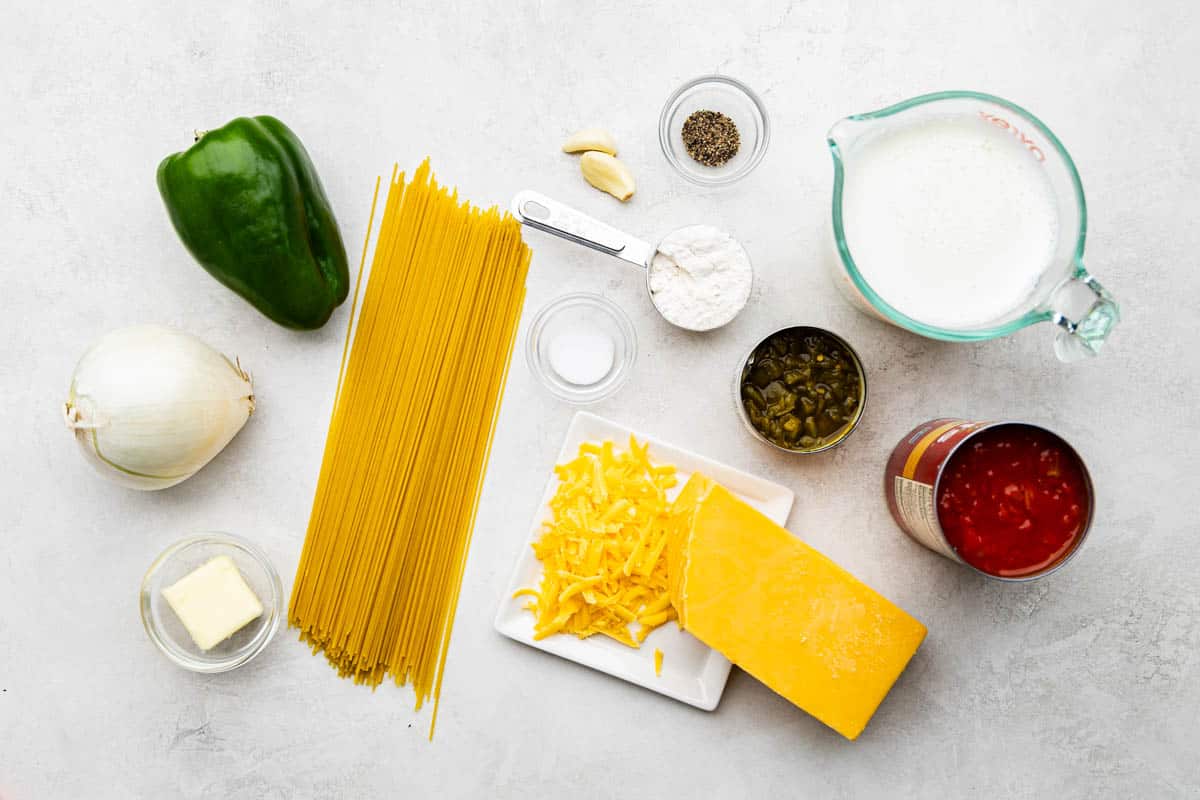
[(961, 217), (698, 277)]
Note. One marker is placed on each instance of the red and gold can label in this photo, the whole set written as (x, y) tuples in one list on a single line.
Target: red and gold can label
[(911, 476)]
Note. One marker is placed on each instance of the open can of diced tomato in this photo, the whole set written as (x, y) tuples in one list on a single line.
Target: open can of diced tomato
[(1011, 500)]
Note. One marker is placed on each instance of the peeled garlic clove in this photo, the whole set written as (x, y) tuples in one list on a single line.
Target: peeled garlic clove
[(591, 139), (607, 174), (150, 405)]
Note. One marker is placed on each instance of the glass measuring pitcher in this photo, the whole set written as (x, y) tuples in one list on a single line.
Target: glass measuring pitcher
[(960, 216)]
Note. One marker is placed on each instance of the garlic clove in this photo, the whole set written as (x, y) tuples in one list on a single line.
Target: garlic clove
[(150, 406), (591, 139), (607, 174)]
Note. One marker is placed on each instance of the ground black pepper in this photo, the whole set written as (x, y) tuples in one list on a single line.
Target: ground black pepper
[(710, 137)]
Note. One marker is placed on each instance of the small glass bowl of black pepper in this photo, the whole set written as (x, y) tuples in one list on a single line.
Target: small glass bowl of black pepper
[(714, 130), (801, 390)]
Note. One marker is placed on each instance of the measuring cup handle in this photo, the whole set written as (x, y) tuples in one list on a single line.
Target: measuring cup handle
[(538, 211), (1085, 314)]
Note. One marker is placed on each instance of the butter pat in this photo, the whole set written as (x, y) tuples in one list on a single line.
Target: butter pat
[(213, 602), (782, 611)]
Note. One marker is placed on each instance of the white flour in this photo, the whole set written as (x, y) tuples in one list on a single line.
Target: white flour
[(700, 277)]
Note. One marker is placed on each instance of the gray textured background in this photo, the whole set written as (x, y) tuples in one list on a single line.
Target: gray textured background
[(1083, 685)]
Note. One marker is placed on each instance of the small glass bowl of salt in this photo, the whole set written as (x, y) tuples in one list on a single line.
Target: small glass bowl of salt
[(582, 347)]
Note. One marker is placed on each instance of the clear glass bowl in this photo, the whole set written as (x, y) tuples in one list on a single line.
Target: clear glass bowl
[(168, 633), (572, 313), (730, 97)]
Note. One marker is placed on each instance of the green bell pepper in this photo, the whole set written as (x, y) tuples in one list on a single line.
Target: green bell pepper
[(247, 202)]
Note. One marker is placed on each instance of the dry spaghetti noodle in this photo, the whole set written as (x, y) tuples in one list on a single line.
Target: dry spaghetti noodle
[(419, 388)]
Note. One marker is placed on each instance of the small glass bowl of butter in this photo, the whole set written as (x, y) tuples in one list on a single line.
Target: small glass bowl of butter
[(216, 590)]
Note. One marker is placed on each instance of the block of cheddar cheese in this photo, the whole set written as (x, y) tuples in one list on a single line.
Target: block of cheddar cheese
[(782, 611)]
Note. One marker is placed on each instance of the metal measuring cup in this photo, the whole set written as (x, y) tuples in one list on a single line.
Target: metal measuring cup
[(538, 211)]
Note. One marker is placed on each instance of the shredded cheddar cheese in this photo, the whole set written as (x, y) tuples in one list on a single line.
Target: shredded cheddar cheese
[(658, 657), (602, 551)]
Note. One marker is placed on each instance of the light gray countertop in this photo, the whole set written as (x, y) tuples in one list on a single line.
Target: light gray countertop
[(1086, 684)]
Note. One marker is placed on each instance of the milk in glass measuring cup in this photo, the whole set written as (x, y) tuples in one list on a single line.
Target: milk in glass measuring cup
[(698, 277), (960, 216)]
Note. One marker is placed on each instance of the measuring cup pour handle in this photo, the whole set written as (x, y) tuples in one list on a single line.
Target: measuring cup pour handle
[(538, 211), (1085, 314)]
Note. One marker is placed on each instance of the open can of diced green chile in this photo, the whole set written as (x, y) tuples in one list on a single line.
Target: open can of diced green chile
[(1011, 500), (827, 365)]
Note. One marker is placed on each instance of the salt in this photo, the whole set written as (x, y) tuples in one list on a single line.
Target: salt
[(582, 356)]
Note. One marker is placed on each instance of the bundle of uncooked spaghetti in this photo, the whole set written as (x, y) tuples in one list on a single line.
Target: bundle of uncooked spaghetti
[(416, 405)]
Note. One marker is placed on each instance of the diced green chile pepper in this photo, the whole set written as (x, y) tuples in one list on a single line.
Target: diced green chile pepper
[(752, 396)]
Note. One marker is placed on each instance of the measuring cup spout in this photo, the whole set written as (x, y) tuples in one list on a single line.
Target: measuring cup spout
[(1085, 314)]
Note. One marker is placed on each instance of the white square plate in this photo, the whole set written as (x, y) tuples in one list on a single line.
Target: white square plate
[(691, 673)]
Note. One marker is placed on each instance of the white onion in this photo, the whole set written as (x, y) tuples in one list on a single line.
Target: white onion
[(150, 405)]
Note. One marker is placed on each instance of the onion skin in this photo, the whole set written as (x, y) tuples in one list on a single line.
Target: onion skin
[(150, 405)]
